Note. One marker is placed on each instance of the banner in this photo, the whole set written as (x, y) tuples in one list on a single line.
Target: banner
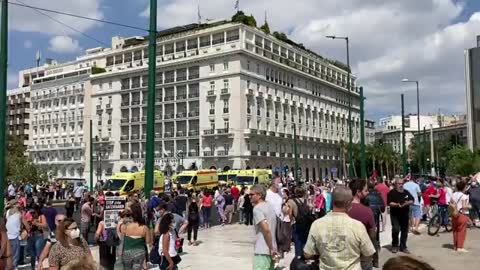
[(113, 206)]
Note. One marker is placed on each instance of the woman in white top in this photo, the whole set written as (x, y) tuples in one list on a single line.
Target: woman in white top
[(166, 248), (460, 221)]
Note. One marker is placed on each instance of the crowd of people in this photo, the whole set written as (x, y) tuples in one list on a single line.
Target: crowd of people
[(335, 223)]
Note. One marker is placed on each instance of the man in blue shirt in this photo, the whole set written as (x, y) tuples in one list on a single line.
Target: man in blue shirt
[(415, 209)]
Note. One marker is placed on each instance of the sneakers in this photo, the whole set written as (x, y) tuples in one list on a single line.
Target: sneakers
[(462, 250), (405, 250), (394, 250)]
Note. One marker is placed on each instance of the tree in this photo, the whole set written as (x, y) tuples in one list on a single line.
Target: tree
[(461, 161), (20, 169), (240, 17), (265, 28)]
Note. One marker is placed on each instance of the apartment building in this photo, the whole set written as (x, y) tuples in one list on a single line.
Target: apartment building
[(227, 96), (18, 121)]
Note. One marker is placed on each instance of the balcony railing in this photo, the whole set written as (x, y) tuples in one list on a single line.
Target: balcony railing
[(212, 111), (181, 115), (193, 114), (225, 91), (193, 133), (211, 93), (208, 153), (193, 95), (209, 132), (225, 110), (169, 98), (222, 131), (181, 97)]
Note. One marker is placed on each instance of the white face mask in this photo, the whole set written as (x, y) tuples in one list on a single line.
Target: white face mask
[(74, 234)]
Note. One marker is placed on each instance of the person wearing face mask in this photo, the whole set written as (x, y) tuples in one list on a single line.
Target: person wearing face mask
[(51, 240), (70, 245)]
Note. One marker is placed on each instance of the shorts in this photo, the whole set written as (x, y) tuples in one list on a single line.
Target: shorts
[(262, 262), (415, 211)]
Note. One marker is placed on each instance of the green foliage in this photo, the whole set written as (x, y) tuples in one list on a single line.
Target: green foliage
[(462, 161), (20, 169), (265, 28), (240, 17), (97, 70)]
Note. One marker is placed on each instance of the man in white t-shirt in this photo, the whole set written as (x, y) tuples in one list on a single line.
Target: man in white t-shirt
[(14, 225), (275, 199)]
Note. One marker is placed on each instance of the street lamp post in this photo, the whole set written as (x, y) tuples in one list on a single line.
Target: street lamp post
[(418, 122), (350, 143)]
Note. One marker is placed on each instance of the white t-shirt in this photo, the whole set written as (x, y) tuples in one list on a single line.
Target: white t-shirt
[(276, 201), (458, 198), (171, 248), (449, 195), (13, 225)]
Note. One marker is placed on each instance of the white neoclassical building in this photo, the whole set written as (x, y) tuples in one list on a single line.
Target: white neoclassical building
[(227, 96)]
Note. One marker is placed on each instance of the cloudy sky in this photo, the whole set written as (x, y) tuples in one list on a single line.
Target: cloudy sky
[(418, 39)]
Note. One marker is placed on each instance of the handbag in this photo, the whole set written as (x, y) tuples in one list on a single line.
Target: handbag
[(178, 242), (302, 264)]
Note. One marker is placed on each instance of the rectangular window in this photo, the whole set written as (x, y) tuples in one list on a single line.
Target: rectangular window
[(226, 84), (212, 68), (248, 64), (212, 85), (225, 66)]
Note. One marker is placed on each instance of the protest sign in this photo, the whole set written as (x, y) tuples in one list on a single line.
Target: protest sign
[(113, 206)]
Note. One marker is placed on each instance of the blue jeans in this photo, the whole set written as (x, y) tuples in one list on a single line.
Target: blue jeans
[(15, 244), (443, 211), (297, 240), (35, 245)]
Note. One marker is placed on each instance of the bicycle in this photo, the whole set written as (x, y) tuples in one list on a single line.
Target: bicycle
[(435, 221)]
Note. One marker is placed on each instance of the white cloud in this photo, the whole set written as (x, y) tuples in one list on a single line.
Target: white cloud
[(64, 44), (27, 44), (389, 40), (28, 20)]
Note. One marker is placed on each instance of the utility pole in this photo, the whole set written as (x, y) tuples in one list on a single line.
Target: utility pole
[(3, 97), (91, 155), (432, 151), (404, 148), (350, 128), (152, 69), (296, 174), (363, 162)]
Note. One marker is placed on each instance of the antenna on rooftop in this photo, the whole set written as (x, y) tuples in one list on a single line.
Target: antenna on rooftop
[(199, 15), (38, 57)]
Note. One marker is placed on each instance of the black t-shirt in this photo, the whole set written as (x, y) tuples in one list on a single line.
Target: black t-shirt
[(181, 203), (399, 197), (229, 199)]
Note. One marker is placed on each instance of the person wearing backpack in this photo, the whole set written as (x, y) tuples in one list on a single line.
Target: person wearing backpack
[(460, 205), (193, 223), (108, 241), (302, 220)]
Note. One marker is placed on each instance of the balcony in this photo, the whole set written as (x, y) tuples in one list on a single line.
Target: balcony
[(193, 95), (135, 119), (222, 131), (193, 114), (225, 110), (181, 115), (134, 137), (136, 102), (208, 153), (124, 156), (168, 134), (169, 98), (193, 76), (211, 111), (169, 116), (125, 103), (209, 132), (211, 93), (254, 153), (181, 134), (225, 91), (99, 107), (249, 92), (181, 97), (222, 153), (124, 120), (193, 133), (108, 106), (192, 154)]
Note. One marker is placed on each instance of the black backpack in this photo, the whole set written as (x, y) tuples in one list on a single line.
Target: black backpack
[(305, 217), (154, 256), (112, 237)]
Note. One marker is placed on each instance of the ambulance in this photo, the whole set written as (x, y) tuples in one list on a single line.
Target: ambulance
[(227, 178), (248, 178), (197, 180), (127, 182)]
